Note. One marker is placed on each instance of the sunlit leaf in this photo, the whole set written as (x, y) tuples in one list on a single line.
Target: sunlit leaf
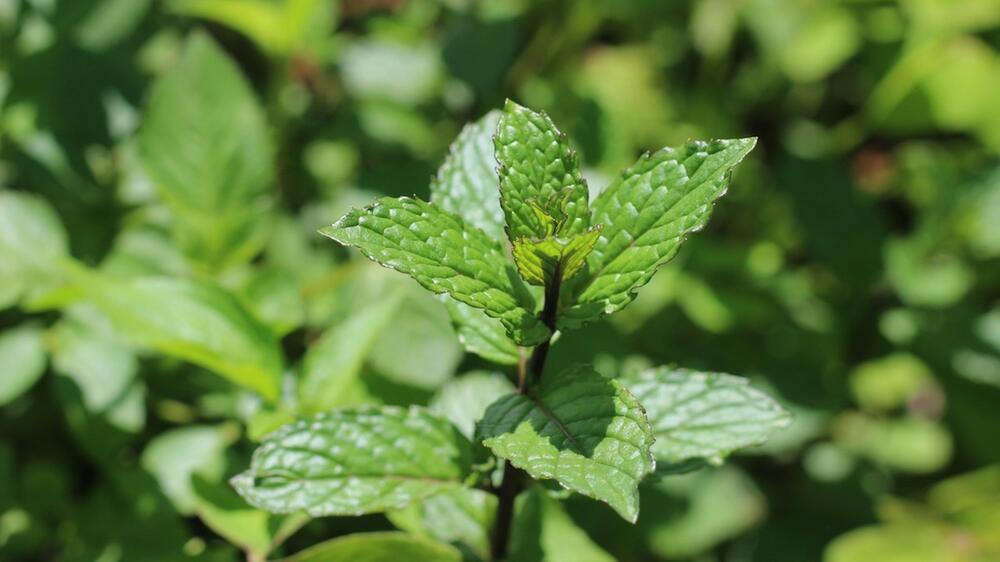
[(445, 255), (350, 462), (706, 416), (580, 429)]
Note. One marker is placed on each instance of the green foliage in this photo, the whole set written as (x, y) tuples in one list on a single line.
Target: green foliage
[(23, 353), (445, 255), (205, 146), (377, 547), (167, 306), (647, 213), (32, 242), (189, 320), (539, 176), (580, 429), (350, 462), (703, 415)]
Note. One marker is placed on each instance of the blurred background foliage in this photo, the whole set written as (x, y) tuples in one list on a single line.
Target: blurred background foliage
[(165, 300)]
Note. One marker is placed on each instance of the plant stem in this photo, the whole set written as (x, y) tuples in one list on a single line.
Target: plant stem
[(514, 479), (510, 487), (549, 311)]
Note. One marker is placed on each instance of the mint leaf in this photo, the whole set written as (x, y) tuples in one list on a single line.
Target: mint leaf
[(281, 28), (552, 259), (225, 512), (464, 400), (206, 147), (174, 456), (445, 255), (704, 415), (538, 171), (466, 183), (377, 547), (350, 462), (333, 363), (420, 350), (481, 334), (100, 371), (189, 320), (22, 354), (544, 532), (579, 428), (647, 213), (32, 241), (461, 516)]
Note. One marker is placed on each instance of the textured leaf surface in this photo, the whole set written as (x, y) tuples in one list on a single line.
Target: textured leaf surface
[(581, 429), (538, 166), (480, 334), (205, 145), (445, 255), (193, 321), (466, 184), (704, 415), (464, 400), (647, 212), (350, 462), (538, 261), (378, 547), (22, 361)]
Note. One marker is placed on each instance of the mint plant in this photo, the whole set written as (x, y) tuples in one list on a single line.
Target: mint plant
[(517, 267)]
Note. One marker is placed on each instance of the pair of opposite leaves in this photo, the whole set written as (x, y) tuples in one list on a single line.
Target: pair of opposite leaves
[(601, 252)]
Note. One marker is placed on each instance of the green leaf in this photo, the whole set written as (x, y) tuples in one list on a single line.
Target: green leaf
[(445, 255), (274, 297), (254, 530), (647, 213), (904, 542), (110, 21), (278, 27), (539, 261), (350, 462), (462, 516), (704, 415), (101, 367), (189, 320), (173, 456), (581, 429), (378, 547), (466, 183), (421, 350), (333, 363), (701, 510), (538, 171), (22, 355), (464, 400), (908, 444), (32, 241), (206, 147), (481, 334), (544, 532)]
